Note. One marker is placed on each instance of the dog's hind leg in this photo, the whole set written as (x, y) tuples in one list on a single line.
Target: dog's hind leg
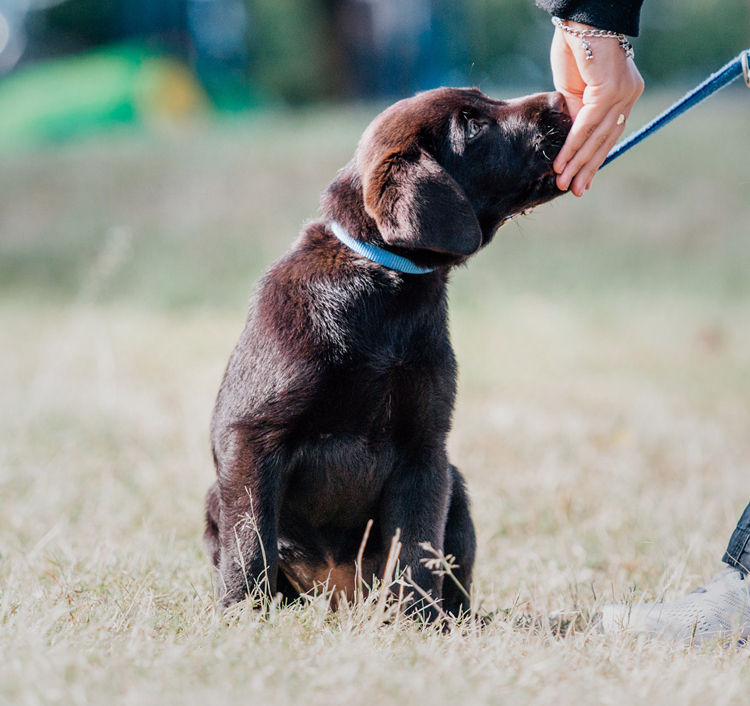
[(285, 588), (460, 541), (211, 535)]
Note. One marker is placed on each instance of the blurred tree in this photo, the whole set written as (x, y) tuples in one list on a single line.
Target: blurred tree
[(99, 21), (308, 50), (219, 50), (314, 49), (389, 44), (509, 44), (289, 55)]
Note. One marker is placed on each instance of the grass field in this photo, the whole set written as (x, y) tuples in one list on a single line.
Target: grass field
[(603, 422)]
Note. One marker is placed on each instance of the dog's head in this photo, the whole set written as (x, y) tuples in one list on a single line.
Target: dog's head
[(441, 171)]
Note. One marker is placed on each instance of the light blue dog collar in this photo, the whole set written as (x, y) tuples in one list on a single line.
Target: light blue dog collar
[(376, 254)]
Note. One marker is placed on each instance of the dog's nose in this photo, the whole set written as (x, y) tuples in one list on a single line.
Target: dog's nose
[(557, 103)]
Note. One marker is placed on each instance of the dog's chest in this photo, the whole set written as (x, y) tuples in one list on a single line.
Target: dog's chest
[(369, 421), (337, 480)]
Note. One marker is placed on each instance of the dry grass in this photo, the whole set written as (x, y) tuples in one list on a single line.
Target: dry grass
[(603, 425)]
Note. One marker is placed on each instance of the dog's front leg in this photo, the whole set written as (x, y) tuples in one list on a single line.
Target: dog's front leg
[(416, 503), (249, 490)]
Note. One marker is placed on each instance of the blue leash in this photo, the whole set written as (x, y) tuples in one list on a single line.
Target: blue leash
[(734, 69)]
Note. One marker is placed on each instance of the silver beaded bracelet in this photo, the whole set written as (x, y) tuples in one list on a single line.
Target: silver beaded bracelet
[(627, 47)]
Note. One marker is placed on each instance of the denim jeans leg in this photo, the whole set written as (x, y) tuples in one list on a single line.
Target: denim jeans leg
[(738, 551)]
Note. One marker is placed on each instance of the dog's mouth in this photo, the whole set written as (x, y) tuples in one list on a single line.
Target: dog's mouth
[(547, 145), (544, 189), (552, 135)]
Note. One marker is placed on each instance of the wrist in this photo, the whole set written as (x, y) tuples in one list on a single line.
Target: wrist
[(586, 34), (579, 26)]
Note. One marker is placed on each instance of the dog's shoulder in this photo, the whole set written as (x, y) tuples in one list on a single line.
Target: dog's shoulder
[(301, 321), (318, 291)]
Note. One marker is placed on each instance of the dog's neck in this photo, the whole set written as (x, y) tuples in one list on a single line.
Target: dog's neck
[(377, 254), (343, 203)]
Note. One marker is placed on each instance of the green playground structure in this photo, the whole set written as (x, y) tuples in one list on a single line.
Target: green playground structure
[(92, 92)]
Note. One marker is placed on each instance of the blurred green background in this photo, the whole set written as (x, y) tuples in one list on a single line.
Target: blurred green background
[(164, 152), (72, 66)]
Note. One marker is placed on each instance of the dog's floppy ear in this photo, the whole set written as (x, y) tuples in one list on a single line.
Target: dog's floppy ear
[(417, 204)]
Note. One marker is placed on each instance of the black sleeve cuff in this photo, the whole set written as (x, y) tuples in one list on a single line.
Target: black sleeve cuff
[(621, 16)]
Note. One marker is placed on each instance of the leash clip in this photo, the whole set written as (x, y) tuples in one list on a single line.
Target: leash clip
[(746, 66)]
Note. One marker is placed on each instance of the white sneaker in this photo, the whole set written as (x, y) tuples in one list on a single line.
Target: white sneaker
[(720, 609)]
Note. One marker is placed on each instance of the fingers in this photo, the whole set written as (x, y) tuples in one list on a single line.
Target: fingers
[(584, 177), (584, 138), (588, 149)]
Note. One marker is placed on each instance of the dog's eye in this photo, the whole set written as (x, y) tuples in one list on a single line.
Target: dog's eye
[(473, 128)]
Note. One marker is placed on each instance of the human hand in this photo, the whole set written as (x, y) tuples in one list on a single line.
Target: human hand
[(597, 91)]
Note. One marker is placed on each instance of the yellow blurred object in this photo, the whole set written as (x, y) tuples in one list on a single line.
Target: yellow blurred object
[(167, 90)]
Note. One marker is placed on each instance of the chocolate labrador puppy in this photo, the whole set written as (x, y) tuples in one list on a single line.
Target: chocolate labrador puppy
[(337, 400)]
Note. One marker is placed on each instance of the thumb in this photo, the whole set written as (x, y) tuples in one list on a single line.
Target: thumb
[(574, 102)]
